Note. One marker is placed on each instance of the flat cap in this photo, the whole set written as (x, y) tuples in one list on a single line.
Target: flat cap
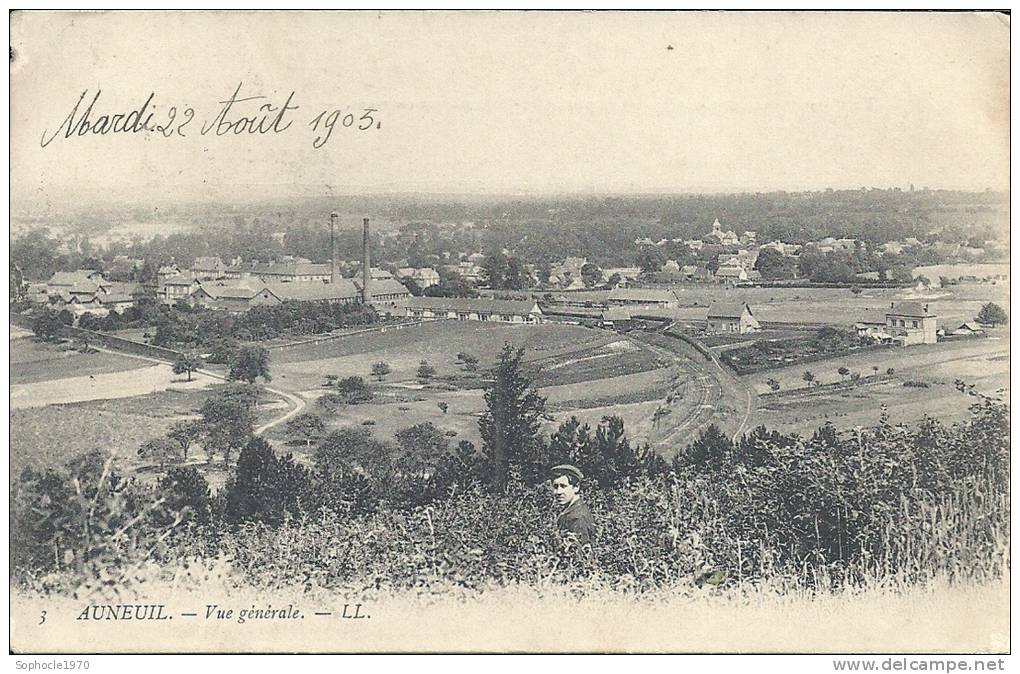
[(566, 469)]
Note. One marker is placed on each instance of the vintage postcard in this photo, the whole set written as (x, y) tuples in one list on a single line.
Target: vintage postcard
[(496, 331)]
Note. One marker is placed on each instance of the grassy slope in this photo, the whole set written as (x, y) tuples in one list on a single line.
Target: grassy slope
[(32, 362)]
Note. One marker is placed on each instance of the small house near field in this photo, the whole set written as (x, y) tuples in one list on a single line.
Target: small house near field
[(969, 328), (618, 318), (911, 323), (731, 317)]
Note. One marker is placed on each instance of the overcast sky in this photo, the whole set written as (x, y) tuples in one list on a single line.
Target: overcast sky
[(537, 102)]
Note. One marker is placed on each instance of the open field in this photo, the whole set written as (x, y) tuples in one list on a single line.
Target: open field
[(902, 360), (50, 436), (43, 437), (303, 368), (578, 369), (977, 270), (977, 362), (32, 362), (576, 379), (121, 384), (839, 306)]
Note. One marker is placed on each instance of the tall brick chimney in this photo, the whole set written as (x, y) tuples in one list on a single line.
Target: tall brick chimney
[(334, 261), (366, 265)]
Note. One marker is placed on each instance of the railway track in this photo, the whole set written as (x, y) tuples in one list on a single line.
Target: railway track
[(705, 382)]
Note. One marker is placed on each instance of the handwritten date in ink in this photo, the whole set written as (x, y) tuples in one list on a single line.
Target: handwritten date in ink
[(326, 121), (243, 113)]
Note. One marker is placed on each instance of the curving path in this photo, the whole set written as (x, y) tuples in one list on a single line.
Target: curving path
[(297, 402)]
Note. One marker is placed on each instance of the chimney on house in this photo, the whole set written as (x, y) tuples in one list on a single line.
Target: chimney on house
[(334, 272), (366, 265)]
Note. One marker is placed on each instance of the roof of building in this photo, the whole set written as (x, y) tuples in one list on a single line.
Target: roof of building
[(343, 289), (730, 271), (616, 314), (234, 291), (647, 295), (728, 309), (389, 286), (212, 263), (479, 305), (115, 298), (911, 309), (78, 299), (969, 325), (124, 287), (71, 278), (82, 288), (290, 269), (179, 280)]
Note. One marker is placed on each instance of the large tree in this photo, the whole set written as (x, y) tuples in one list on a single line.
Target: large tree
[(250, 363), (267, 488), (591, 274), (306, 427), (228, 419), (185, 433), (650, 259), (992, 314), (186, 362), (47, 325), (510, 424), (774, 265)]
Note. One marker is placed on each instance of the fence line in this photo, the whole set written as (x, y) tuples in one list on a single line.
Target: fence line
[(122, 344)]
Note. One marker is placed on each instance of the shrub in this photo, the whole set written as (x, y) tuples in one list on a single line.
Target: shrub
[(266, 488), (425, 371), (380, 370), (186, 493), (354, 390), (163, 451)]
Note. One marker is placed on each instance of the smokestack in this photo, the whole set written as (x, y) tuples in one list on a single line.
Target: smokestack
[(334, 272), (366, 266)]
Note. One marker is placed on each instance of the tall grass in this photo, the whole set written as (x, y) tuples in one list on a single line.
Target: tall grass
[(889, 508)]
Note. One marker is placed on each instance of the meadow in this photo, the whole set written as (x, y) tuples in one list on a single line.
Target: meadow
[(581, 371), (49, 437), (33, 361), (923, 383)]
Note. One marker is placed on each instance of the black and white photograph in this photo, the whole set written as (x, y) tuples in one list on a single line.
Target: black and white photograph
[(510, 332)]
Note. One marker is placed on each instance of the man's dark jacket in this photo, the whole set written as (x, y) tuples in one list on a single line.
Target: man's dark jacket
[(577, 519)]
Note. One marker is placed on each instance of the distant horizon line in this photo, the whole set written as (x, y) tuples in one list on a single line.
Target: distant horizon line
[(119, 195)]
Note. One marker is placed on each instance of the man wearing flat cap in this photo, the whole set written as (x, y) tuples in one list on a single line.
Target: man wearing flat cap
[(576, 518)]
